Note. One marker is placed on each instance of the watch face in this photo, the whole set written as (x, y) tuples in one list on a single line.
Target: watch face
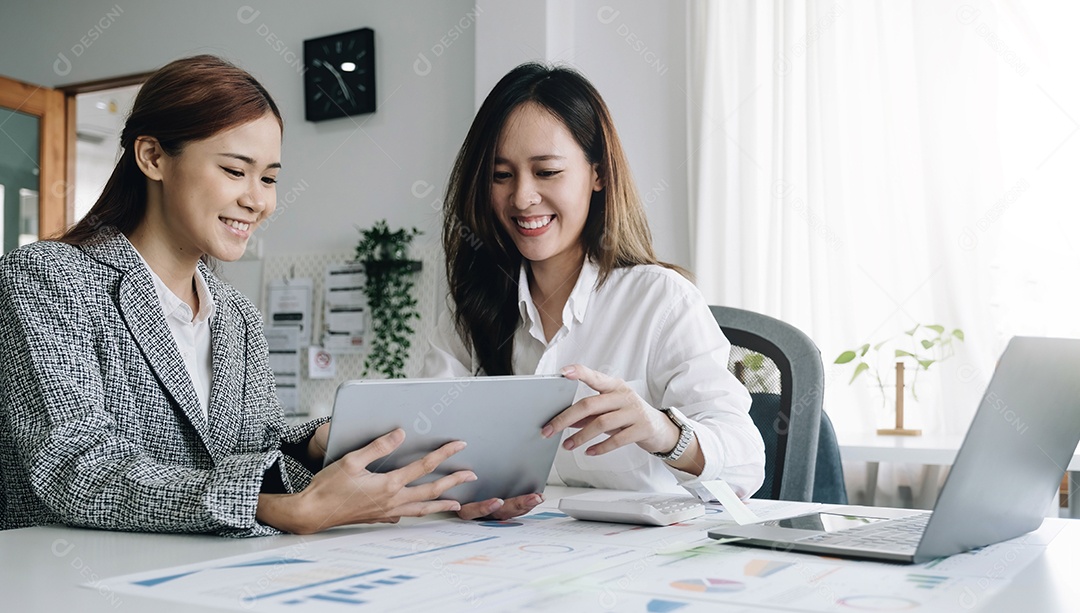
[(339, 77)]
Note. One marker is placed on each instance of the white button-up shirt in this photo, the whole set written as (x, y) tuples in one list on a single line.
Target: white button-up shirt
[(651, 327), (191, 331)]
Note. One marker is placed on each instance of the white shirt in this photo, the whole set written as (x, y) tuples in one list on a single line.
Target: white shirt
[(651, 327), (191, 331)]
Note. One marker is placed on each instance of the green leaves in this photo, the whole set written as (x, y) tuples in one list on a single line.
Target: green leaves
[(754, 361), (845, 357), (848, 356), (388, 287), (380, 243), (861, 368), (923, 344)]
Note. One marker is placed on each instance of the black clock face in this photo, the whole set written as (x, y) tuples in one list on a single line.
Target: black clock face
[(340, 75)]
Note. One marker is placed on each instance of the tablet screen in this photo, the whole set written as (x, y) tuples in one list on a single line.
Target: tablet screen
[(825, 522)]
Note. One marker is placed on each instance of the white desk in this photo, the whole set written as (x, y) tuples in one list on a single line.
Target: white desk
[(932, 451), (927, 449), (42, 568)]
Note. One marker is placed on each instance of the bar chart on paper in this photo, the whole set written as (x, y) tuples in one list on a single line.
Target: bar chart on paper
[(321, 582), (546, 561), (354, 593)]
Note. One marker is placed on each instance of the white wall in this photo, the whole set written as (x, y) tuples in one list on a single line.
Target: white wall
[(634, 53), (434, 58)]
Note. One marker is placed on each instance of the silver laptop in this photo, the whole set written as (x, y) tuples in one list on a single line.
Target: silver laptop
[(499, 417), (1006, 472)]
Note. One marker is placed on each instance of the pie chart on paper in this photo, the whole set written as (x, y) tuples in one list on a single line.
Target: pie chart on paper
[(713, 586)]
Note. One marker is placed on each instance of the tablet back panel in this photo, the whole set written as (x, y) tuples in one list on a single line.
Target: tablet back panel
[(499, 417)]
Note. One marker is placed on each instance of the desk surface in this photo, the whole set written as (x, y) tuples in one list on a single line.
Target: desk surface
[(42, 568), (926, 449)]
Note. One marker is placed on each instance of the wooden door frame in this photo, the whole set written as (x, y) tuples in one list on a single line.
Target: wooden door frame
[(70, 92), (54, 189), (55, 110)]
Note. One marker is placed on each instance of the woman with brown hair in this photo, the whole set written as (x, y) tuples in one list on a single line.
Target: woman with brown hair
[(135, 388), (550, 266)]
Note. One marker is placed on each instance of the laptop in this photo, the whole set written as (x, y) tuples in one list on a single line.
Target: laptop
[(499, 417), (1010, 465)]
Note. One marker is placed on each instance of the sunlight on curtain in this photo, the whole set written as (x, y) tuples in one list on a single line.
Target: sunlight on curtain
[(860, 167)]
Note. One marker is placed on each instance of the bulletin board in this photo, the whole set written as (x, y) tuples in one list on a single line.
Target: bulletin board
[(317, 395)]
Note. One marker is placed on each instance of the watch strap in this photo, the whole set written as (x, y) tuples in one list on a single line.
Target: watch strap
[(686, 434)]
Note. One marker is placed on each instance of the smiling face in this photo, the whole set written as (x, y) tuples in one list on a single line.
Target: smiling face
[(542, 187), (209, 198)]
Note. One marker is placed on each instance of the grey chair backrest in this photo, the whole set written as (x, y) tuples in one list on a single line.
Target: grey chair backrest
[(781, 367)]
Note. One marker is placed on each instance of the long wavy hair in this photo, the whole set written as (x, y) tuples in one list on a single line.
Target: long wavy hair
[(482, 261), (187, 100)]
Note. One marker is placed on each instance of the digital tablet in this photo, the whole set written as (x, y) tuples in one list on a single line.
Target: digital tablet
[(499, 417)]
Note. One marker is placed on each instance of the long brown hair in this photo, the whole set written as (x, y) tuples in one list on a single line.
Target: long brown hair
[(187, 100), (482, 262)]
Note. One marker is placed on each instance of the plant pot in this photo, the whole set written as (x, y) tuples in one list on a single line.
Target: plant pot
[(379, 268)]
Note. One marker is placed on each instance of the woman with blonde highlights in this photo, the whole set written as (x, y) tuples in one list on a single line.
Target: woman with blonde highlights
[(554, 271)]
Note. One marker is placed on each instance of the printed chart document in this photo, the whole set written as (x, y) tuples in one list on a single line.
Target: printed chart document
[(284, 345), (548, 561), (345, 308), (288, 304)]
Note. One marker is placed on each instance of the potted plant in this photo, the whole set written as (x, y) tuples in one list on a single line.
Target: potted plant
[(388, 288), (920, 348)]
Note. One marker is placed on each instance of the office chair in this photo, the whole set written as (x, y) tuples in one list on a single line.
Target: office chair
[(781, 367)]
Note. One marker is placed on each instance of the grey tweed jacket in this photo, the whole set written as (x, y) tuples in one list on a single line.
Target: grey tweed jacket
[(100, 425)]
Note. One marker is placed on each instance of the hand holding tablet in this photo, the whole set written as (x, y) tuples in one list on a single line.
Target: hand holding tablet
[(499, 417)]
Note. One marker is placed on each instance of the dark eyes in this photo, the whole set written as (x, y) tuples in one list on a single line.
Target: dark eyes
[(502, 176), (239, 174)]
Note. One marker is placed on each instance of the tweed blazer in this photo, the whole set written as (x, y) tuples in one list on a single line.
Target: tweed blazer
[(100, 425)]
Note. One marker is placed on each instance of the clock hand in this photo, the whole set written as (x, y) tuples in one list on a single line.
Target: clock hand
[(340, 81)]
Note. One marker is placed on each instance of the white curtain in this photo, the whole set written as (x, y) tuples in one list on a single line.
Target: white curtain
[(858, 167)]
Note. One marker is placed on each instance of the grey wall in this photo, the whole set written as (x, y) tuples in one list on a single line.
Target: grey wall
[(392, 164), (337, 174)]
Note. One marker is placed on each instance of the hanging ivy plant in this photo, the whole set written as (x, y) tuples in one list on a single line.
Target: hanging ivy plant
[(390, 279)]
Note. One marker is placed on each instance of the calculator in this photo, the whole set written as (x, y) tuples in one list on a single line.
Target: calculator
[(632, 507)]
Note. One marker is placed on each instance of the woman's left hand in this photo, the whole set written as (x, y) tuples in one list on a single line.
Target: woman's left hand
[(618, 411)]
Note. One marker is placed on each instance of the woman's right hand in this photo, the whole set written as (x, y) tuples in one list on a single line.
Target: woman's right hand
[(497, 508), (346, 492)]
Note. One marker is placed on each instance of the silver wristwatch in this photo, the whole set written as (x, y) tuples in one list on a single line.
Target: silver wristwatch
[(686, 434)]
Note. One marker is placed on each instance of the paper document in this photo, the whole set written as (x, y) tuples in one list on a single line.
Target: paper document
[(547, 561), (344, 308), (284, 346), (719, 491), (288, 303)]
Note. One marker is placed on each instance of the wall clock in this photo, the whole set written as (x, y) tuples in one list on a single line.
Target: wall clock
[(339, 76)]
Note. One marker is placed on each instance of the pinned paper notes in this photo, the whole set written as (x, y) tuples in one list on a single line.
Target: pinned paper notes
[(719, 491)]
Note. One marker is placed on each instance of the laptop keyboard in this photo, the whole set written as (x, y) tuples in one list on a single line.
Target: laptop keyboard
[(900, 535)]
